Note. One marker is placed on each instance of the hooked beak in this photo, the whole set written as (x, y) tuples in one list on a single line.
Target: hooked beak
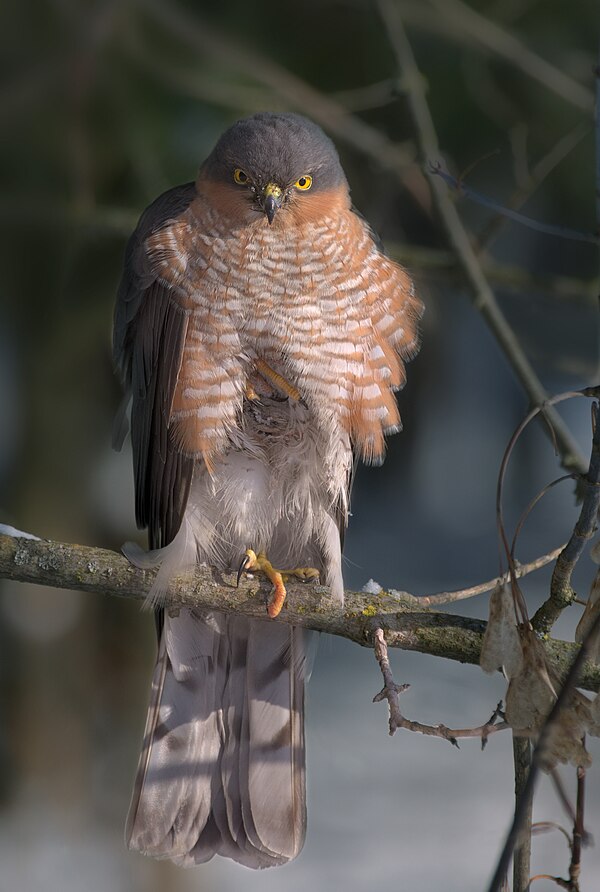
[(272, 199)]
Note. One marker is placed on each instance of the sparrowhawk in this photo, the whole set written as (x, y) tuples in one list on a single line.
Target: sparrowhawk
[(261, 334)]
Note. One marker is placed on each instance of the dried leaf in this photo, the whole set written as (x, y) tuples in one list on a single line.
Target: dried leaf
[(595, 552), (530, 697), (530, 694), (565, 741), (501, 643), (588, 617), (594, 726)]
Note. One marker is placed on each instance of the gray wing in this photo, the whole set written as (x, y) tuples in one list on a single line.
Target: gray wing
[(149, 334)]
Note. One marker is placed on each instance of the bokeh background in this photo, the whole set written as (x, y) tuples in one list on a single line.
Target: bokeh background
[(103, 105)]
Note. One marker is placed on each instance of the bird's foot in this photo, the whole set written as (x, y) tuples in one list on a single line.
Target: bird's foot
[(259, 563), (278, 380)]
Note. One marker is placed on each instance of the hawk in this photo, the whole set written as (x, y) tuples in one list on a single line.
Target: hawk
[(261, 334)]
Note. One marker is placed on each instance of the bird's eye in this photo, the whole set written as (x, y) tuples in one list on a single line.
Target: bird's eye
[(240, 176), (303, 183)]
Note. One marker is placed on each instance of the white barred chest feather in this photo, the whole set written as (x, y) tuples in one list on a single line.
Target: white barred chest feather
[(318, 303)]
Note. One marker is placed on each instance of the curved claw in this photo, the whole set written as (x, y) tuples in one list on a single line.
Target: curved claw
[(241, 568)]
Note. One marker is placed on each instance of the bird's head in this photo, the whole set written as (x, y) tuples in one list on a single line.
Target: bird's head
[(281, 166)]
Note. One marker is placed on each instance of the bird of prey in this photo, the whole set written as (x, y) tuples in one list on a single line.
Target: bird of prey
[(261, 334)]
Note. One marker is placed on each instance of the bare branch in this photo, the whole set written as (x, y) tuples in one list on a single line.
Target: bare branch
[(481, 292), (407, 624), (503, 43), (463, 594), (530, 182), (570, 682), (479, 198), (522, 857), (195, 32), (561, 590), (391, 692)]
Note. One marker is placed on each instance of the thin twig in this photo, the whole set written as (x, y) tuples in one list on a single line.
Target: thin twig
[(428, 262), (195, 32), (505, 44), (485, 201), (580, 837), (482, 294), (542, 169), (463, 594), (391, 692), (564, 884), (545, 826), (571, 681), (561, 590), (559, 788), (522, 856)]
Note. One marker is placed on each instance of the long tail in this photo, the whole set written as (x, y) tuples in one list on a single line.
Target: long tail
[(222, 764)]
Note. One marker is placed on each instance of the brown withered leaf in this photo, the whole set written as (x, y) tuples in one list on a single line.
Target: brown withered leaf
[(594, 726), (531, 695), (565, 740), (588, 617), (595, 552), (501, 643)]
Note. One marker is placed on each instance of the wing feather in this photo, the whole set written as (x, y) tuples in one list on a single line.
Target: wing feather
[(150, 327)]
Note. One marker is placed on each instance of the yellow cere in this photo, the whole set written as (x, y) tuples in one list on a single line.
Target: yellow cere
[(240, 176), (272, 189), (303, 183)]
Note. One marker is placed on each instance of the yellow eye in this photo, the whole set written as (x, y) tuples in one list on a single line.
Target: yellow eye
[(241, 177), (303, 183)]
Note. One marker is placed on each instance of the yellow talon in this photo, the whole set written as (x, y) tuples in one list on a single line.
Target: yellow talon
[(303, 573), (278, 380), (253, 562)]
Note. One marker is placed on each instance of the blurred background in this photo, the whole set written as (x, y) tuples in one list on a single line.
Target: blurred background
[(103, 105)]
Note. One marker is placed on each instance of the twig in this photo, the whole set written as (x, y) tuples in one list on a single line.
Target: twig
[(571, 681), (479, 198), (463, 594), (504, 43), (431, 262), (522, 856), (194, 31), (561, 590), (545, 826), (580, 837), (559, 788), (544, 167), (408, 625), (547, 876), (482, 294), (597, 131), (391, 692)]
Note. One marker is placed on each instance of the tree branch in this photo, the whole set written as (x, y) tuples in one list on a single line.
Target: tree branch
[(482, 295), (405, 622), (194, 31), (561, 590), (391, 692)]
